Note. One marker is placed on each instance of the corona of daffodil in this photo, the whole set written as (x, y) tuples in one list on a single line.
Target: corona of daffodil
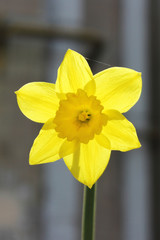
[(82, 116)]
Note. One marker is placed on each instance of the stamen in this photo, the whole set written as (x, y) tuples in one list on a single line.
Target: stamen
[(84, 116)]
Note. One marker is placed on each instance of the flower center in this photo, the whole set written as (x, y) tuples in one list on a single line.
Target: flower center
[(79, 117), (84, 116)]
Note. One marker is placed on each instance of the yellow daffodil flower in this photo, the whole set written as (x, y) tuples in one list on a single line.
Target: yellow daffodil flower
[(82, 116)]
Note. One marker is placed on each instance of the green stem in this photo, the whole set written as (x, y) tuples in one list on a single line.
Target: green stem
[(89, 210)]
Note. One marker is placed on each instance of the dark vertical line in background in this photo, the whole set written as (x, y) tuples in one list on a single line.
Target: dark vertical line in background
[(155, 113)]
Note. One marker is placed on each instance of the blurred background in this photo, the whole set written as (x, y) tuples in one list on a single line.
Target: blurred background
[(44, 202)]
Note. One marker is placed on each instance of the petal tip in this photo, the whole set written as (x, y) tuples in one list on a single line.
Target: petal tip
[(31, 162), (90, 185), (139, 145), (139, 73), (69, 51)]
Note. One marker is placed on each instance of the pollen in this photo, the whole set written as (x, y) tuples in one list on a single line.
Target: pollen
[(79, 117)]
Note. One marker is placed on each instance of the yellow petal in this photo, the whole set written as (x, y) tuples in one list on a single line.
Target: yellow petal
[(67, 148), (88, 162), (118, 88), (90, 87), (46, 146), (73, 73), (38, 101), (103, 141), (120, 132)]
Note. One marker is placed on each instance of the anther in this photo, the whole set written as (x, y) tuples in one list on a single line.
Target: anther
[(84, 116)]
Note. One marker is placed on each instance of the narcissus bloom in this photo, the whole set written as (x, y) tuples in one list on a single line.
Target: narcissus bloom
[(82, 116)]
